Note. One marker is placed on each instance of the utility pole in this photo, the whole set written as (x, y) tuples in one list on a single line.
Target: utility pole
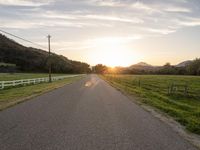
[(49, 57)]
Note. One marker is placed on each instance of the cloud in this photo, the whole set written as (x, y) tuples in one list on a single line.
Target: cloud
[(54, 15), (160, 31), (109, 3), (70, 46), (114, 18), (84, 17), (91, 43), (142, 6), (116, 39), (77, 45), (190, 22), (80, 26), (182, 1), (24, 2), (19, 24), (36, 24), (178, 9), (122, 15)]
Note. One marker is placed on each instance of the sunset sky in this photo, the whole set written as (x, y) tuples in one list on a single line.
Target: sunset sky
[(112, 32)]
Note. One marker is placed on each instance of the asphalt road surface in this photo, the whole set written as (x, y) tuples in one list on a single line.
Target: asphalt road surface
[(86, 115)]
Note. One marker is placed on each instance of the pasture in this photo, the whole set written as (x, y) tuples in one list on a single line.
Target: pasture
[(153, 90)]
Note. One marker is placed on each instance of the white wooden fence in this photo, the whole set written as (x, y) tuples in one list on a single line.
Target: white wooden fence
[(4, 84)]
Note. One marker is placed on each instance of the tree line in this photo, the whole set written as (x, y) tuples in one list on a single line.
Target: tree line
[(192, 68)]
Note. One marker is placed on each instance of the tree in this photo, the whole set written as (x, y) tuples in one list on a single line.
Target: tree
[(167, 65), (194, 67), (99, 68)]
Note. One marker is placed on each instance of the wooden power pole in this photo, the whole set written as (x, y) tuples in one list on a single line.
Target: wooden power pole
[(49, 57)]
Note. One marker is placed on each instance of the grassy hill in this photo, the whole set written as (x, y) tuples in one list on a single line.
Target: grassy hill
[(28, 59)]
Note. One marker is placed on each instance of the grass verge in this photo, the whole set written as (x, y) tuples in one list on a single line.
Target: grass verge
[(19, 76), (152, 90), (10, 97)]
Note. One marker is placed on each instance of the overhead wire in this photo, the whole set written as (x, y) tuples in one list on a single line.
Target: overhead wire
[(22, 39)]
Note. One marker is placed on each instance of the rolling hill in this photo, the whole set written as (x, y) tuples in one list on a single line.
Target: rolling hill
[(140, 65), (184, 63), (28, 59)]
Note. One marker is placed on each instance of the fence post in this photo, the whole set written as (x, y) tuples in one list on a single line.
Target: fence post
[(139, 83), (186, 90), (172, 88), (168, 90), (2, 85)]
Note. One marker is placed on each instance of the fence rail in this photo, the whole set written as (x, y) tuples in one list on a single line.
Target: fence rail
[(13, 83)]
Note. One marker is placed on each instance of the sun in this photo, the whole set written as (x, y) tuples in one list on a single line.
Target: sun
[(113, 52), (113, 56)]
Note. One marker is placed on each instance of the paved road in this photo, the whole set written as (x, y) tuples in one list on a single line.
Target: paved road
[(86, 115)]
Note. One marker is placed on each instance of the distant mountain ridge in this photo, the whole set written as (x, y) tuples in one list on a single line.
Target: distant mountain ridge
[(142, 66), (146, 65), (188, 67), (184, 63)]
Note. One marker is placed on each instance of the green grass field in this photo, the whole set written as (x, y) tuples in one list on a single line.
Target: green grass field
[(7, 64), (153, 90), (19, 76), (12, 96)]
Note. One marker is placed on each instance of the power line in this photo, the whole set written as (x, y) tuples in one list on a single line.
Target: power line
[(23, 39)]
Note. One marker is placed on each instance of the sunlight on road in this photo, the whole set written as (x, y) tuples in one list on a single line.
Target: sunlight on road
[(88, 84), (92, 82)]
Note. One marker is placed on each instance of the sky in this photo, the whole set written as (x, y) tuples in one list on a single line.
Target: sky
[(111, 32)]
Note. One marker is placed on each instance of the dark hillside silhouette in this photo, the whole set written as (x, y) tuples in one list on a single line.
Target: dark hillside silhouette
[(28, 59)]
